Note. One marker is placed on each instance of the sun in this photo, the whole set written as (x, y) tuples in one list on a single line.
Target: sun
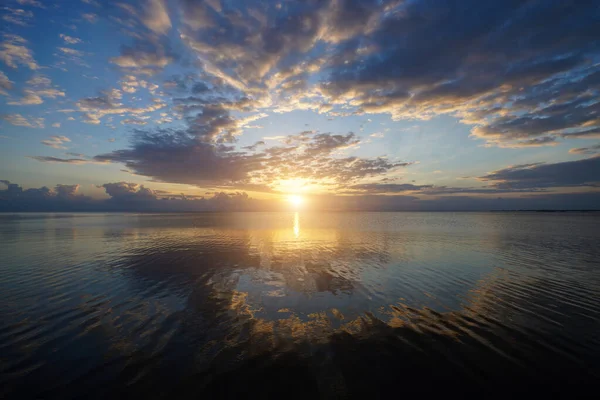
[(295, 200)]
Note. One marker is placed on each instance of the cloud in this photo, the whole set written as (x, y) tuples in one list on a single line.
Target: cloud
[(89, 17), (541, 88), (56, 142), (126, 196), (39, 88), (387, 187), (61, 198), (14, 52), (56, 125), (128, 191), (174, 156), (19, 120), (92, 2), (133, 121), (71, 52), (5, 84), (17, 16), (177, 156), (62, 160), (67, 54), (584, 172), (429, 190), (156, 16), (586, 150), (144, 56), (107, 103), (70, 39), (32, 3), (35, 96)]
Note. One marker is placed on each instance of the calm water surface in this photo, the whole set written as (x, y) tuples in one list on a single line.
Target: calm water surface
[(298, 305)]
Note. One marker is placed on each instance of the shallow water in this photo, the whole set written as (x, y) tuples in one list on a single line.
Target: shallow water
[(298, 305)]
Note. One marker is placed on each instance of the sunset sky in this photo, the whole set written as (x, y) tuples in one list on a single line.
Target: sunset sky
[(414, 104)]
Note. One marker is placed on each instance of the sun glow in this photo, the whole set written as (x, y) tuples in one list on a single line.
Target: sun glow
[(295, 200)]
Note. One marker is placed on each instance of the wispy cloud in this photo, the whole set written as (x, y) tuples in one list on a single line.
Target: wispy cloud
[(56, 142), (19, 120), (38, 88), (70, 39)]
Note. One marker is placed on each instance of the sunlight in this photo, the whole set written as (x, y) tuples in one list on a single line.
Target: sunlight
[(296, 225), (295, 200)]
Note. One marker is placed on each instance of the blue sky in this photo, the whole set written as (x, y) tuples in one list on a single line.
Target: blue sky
[(435, 103)]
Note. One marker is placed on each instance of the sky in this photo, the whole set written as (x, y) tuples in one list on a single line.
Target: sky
[(189, 105)]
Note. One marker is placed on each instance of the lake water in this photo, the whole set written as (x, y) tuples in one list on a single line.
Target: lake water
[(298, 305)]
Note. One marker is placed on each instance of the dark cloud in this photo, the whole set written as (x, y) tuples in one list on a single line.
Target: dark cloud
[(61, 160), (124, 191), (181, 157), (175, 156), (145, 56), (374, 188), (62, 197), (125, 196), (508, 66), (584, 172), (431, 190)]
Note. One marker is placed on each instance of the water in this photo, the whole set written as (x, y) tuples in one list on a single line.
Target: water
[(298, 305)]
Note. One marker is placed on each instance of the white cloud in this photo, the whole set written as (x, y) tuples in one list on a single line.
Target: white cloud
[(19, 120), (17, 16), (71, 52), (70, 39), (32, 3), (156, 16), (56, 125), (39, 80), (89, 17), (5, 84), (13, 52), (40, 88), (56, 142)]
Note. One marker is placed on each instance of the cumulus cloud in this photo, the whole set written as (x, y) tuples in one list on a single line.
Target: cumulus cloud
[(128, 191), (56, 142), (13, 51), (19, 120)]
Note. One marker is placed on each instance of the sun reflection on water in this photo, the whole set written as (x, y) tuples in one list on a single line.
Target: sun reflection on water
[(296, 225)]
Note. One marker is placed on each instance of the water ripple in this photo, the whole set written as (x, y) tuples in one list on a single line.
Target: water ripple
[(325, 305)]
